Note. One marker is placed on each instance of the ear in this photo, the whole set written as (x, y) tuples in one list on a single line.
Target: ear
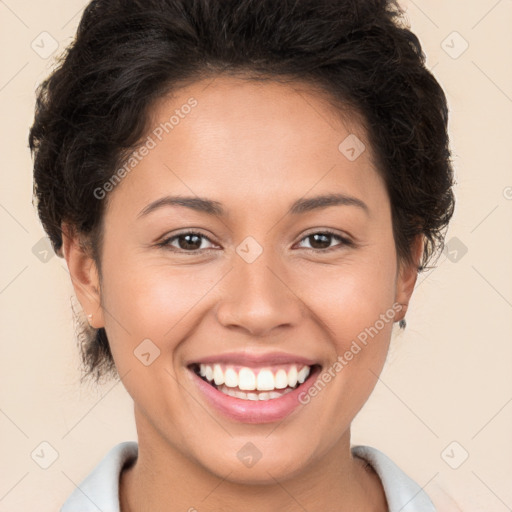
[(406, 278), (84, 275)]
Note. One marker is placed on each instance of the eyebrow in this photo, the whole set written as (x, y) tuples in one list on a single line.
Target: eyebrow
[(215, 208)]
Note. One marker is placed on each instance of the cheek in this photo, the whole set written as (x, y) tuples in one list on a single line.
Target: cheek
[(156, 302), (354, 303), (151, 295), (352, 296), (145, 319)]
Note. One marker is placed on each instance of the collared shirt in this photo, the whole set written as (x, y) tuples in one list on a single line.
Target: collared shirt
[(99, 491)]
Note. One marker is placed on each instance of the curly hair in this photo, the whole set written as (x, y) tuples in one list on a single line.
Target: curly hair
[(93, 108)]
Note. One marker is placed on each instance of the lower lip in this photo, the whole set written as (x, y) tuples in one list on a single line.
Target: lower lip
[(255, 411)]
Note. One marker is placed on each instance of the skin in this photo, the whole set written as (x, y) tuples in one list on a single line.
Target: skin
[(256, 148)]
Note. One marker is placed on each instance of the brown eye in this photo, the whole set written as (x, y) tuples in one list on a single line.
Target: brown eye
[(189, 241), (321, 241)]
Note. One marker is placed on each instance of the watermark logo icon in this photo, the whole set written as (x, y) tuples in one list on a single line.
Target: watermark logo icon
[(42, 250), (44, 455), (454, 45), (44, 45), (249, 249), (352, 147), (454, 455), (146, 352), (455, 249), (249, 455)]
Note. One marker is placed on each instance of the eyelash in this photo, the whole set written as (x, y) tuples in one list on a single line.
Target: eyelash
[(344, 242)]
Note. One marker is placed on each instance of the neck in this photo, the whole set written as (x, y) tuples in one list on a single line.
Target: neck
[(165, 479)]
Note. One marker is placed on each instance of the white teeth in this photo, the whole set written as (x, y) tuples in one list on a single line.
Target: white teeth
[(231, 378), (281, 379), (303, 374), (246, 379), (292, 376), (265, 396), (218, 375), (265, 381), (249, 379)]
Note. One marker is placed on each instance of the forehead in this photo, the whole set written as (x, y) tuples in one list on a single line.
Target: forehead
[(251, 140), (229, 109)]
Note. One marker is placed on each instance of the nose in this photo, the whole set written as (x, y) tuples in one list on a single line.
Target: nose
[(259, 297)]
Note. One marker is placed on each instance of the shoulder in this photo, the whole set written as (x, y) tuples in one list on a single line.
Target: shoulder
[(402, 493), (100, 489)]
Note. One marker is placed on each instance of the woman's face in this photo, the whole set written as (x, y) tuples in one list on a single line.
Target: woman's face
[(273, 280)]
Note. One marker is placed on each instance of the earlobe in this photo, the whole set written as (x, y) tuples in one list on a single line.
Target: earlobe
[(84, 275), (407, 276)]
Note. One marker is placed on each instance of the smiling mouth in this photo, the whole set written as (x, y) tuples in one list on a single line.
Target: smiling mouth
[(245, 383)]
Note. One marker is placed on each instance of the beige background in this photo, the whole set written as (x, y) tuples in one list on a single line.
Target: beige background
[(449, 375)]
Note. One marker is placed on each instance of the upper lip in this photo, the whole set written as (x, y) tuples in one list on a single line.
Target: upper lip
[(253, 359)]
